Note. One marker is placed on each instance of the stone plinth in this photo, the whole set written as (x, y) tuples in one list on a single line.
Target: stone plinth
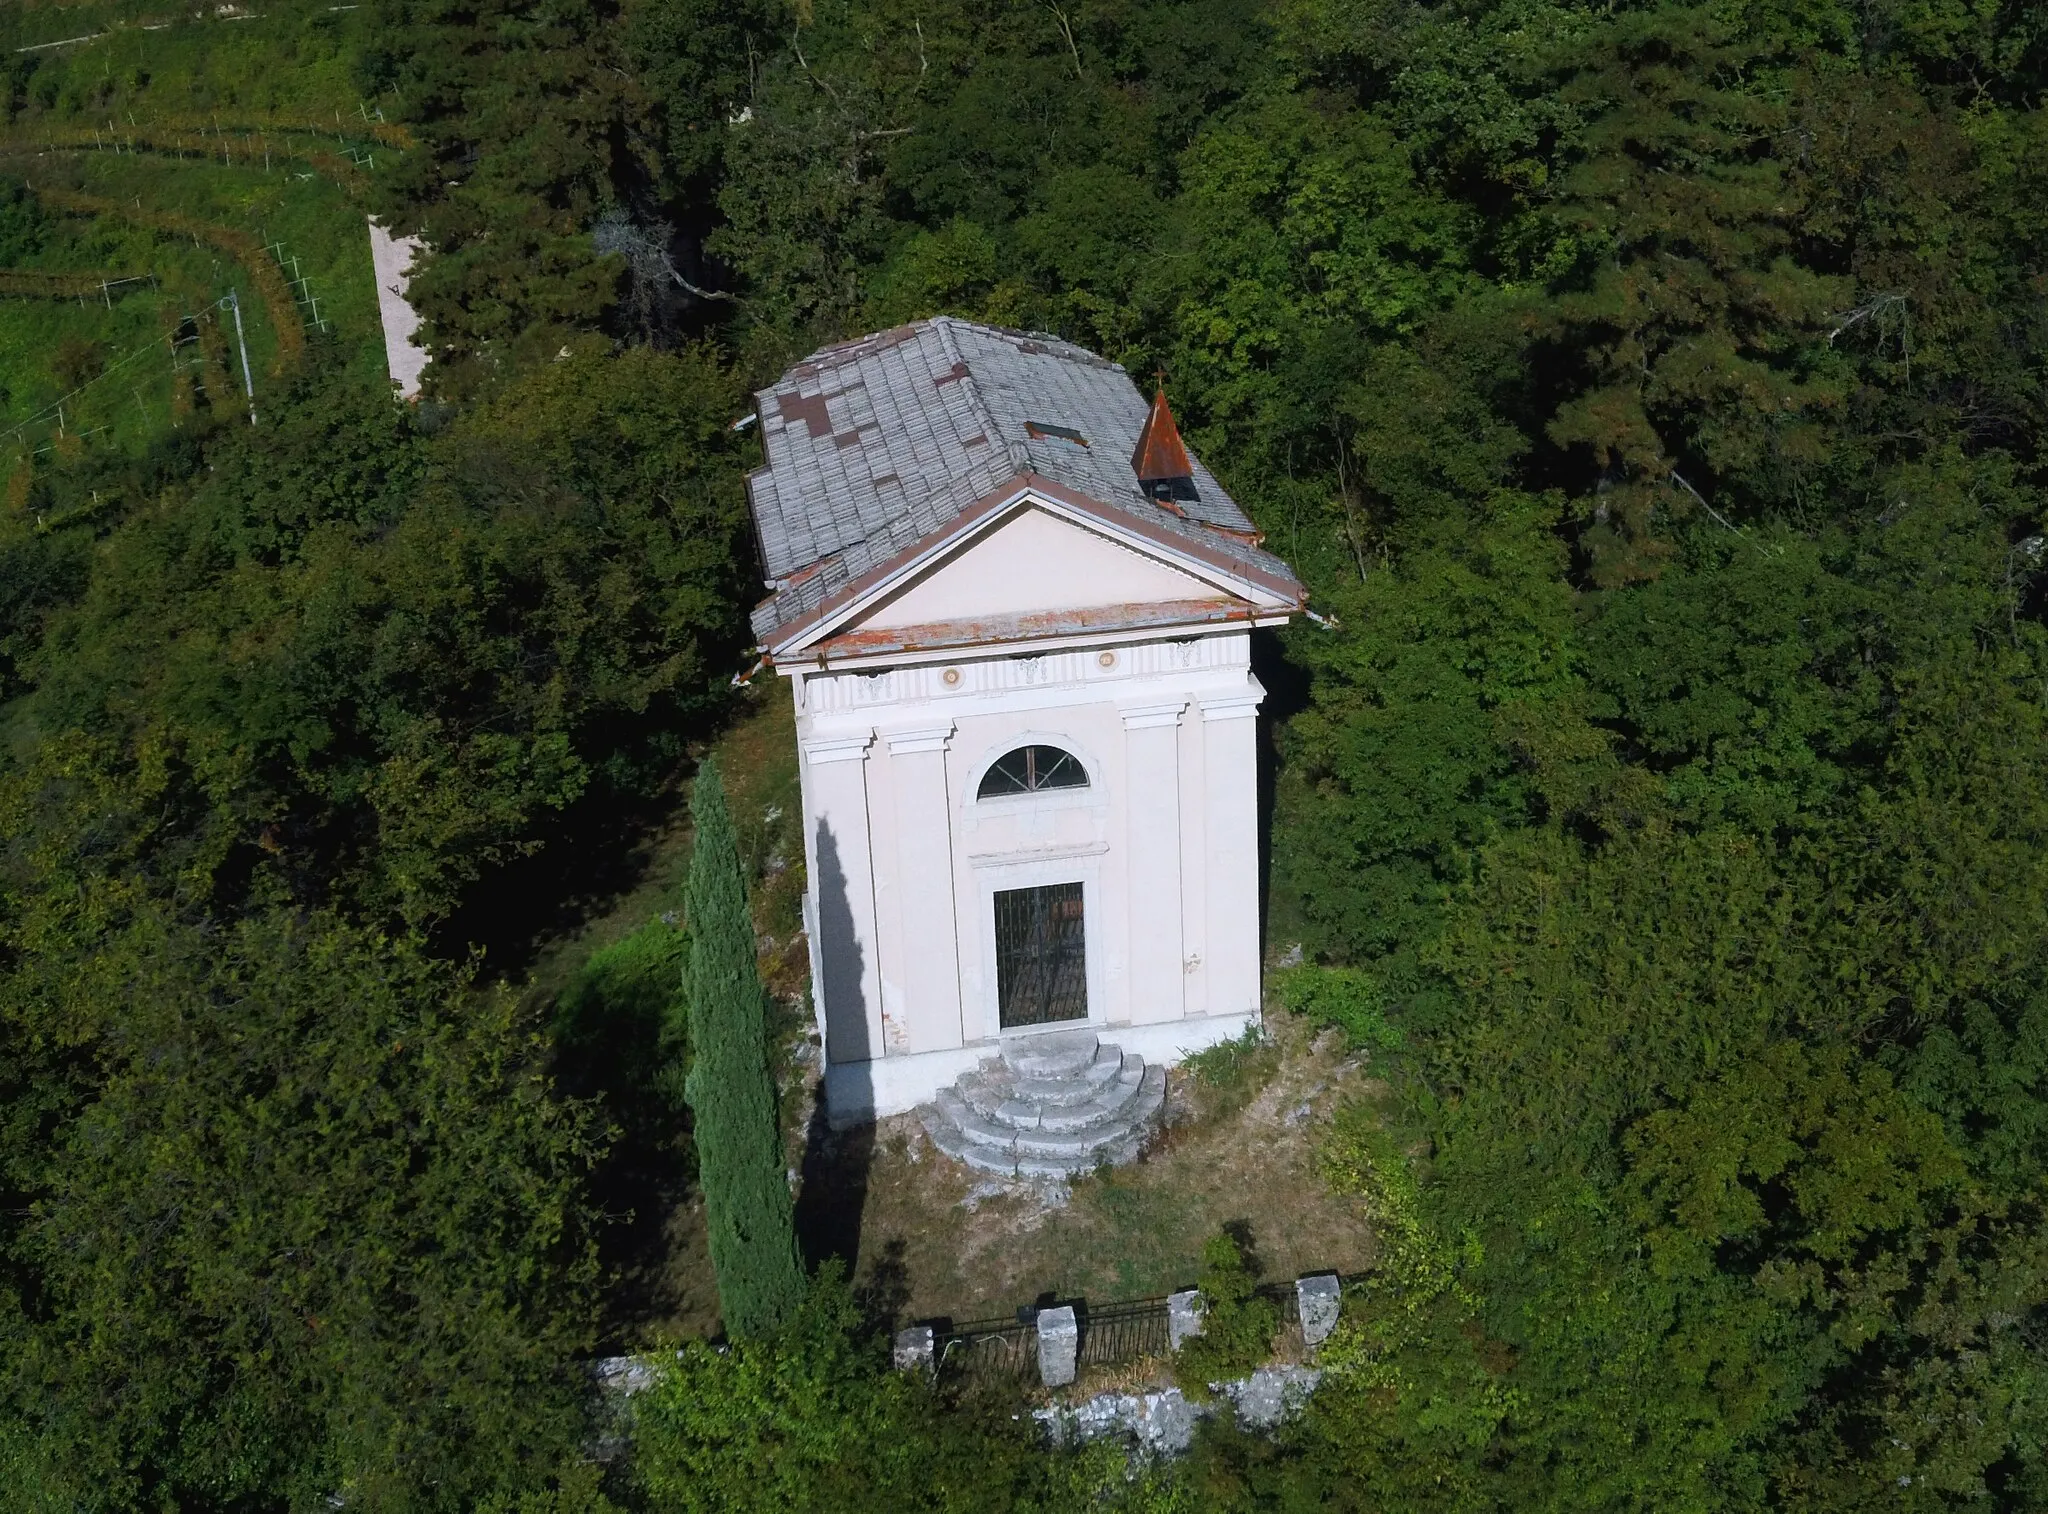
[(1183, 1316), (1059, 1345), (1319, 1297)]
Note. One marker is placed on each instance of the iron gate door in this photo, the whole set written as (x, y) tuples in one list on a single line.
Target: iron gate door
[(1041, 955)]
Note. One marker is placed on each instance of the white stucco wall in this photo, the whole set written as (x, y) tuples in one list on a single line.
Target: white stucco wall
[(904, 861)]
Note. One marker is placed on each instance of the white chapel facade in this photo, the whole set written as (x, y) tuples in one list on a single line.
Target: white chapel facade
[(1015, 618)]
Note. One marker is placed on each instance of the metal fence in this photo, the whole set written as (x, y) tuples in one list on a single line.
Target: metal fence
[(1111, 1335)]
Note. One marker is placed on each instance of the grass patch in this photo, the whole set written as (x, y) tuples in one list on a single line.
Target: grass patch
[(1230, 1074), (147, 59)]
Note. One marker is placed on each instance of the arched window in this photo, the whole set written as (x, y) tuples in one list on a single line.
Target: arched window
[(1031, 768)]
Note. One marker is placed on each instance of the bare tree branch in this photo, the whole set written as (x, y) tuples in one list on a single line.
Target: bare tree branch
[(1067, 30), (1680, 479), (796, 45), (1864, 312)]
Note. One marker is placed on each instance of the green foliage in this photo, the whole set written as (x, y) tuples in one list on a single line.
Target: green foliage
[(523, 119), (1437, 723), (814, 1421), (24, 224), (731, 1093), (358, 657), (1354, 999), (761, 1424), (1652, 396), (312, 1225), (1237, 1324)]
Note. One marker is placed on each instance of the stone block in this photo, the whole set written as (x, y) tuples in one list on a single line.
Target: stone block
[(1270, 1395), (1059, 1345), (1319, 1297), (916, 1348), (1058, 1054), (1183, 1316)]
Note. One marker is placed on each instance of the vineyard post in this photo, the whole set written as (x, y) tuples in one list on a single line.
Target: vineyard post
[(248, 384)]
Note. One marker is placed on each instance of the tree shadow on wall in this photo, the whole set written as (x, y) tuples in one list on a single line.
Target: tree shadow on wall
[(1287, 686), (832, 1199)]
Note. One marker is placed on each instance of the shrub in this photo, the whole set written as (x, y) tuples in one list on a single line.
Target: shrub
[(1237, 1325), (813, 1421), (1351, 998)]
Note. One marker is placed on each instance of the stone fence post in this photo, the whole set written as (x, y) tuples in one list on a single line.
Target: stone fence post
[(1059, 1345), (1319, 1297)]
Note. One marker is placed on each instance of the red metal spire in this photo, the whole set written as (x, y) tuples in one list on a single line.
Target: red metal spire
[(1160, 458)]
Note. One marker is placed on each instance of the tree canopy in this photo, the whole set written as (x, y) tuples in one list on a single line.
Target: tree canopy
[(1651, 394)]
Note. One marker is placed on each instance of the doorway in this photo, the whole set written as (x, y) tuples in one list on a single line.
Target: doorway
[(1041, 955)]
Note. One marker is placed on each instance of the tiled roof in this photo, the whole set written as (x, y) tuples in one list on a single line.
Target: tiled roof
[(874, 445)]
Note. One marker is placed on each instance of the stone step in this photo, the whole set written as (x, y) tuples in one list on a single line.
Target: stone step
[(1106, 1105), (948, 1138), (984, 1089), (1053, 1054), (978, 1129), (1013, 1116), (1074, 1146), (1077, 1087), (1151, 1095), (991, 1092), (1119, 1154), (980, 1122)]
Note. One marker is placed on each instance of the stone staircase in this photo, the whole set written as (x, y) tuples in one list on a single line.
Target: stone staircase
[(1052, 1105)]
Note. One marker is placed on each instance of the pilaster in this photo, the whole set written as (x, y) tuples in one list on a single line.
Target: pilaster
[(1152, 809), (1230, 762), (928, 957)]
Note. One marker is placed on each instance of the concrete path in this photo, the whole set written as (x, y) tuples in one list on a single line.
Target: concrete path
[(392, 258)]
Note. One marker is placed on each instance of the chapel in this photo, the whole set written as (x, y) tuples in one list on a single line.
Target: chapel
[(1015, 613)]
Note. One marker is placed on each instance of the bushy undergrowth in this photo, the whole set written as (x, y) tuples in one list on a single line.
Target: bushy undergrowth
[(1237, 1324), (814, 1421)]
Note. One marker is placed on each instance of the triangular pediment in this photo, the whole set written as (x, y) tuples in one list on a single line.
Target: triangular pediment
[(1033, 562)]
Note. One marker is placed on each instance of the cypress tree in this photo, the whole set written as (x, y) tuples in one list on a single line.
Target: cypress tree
[(739, 1147)]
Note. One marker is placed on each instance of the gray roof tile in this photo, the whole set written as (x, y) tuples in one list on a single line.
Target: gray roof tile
[(873, 445)]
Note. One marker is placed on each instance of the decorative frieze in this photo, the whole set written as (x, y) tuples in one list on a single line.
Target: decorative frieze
[(829, 693)]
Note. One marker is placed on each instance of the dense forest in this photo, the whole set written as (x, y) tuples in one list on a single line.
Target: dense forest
[(1651, 394)]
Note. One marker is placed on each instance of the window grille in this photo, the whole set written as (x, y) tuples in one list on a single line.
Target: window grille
[(1031, 768), (1041, 955)]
